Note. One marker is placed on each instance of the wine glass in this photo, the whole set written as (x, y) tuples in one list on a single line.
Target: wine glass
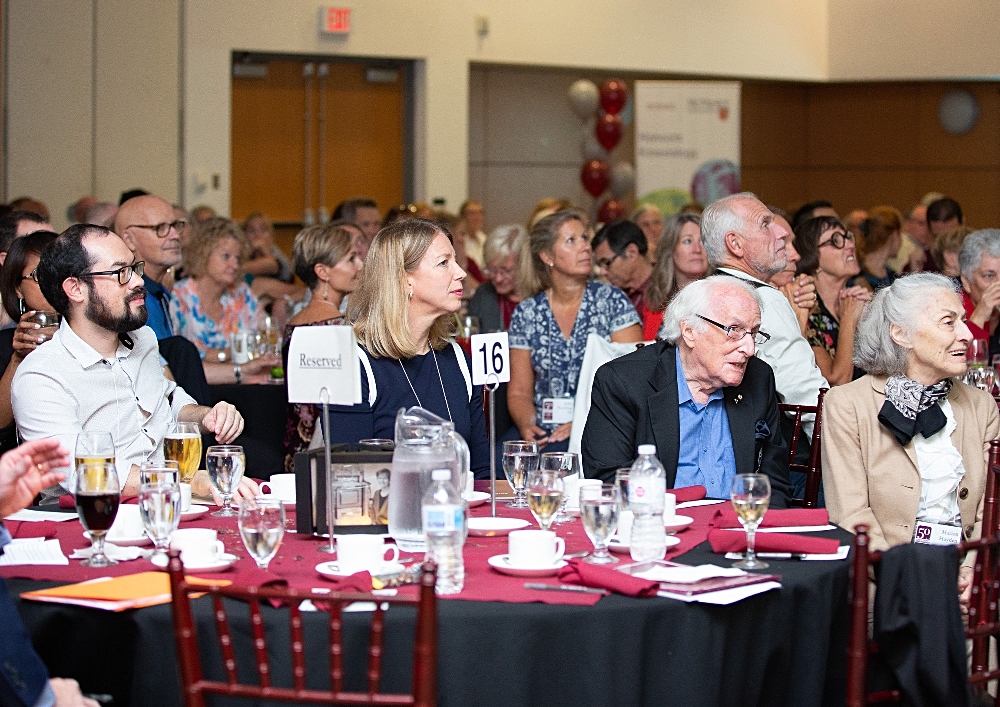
[(621, 481), (183, 445), (226, 464), (599, 512), (262, 526), (160, 510), (545, 493), (158, 472), (97, 497), (519, 458), (751, 495), (565, 464), (94, 448)]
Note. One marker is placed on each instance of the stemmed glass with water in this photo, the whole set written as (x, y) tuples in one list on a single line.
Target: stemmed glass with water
[(751, 495), (599, 508), (160, 510), (226, 464), (262, 526), (980, 374), (519, 459), (545, 494)]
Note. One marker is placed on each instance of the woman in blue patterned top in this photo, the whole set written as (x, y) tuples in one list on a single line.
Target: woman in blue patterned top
[(549, 329)]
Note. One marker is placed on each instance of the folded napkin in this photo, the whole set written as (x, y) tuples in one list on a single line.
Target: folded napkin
[(726, 517), (115, 552), (32, 529), (357, 582), (723, 541), (601, 577), (688, 493)]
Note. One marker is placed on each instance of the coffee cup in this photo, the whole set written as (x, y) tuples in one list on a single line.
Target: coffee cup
[(128, 523), (359, 553), (470, 483), (281, 486), (185, 498), (203, 555), (194, 539), (571, 492), (534, 548), (625, 519), (669, 506)]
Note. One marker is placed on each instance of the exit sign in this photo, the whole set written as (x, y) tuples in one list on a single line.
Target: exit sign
[(335, 20)]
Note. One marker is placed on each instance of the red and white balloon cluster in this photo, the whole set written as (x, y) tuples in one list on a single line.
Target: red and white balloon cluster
[(600, 136)]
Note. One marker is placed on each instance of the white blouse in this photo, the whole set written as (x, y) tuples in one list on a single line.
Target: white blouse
[(941, 472)]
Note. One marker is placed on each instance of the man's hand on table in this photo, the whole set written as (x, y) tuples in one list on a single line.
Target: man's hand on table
[(225, 421), (201, 486), (26, 470), (67, 692)]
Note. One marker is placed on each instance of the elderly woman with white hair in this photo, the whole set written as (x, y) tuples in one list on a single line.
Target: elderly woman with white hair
[(495, 300), (905, 447), (649, 218), (979, 263)]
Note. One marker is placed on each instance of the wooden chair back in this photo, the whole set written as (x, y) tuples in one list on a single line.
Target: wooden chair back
[(195, 686), (813, 469)]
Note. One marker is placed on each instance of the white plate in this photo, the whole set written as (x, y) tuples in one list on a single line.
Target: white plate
[(476, 498), (330, 569), (501, 563), (221, 562), (135, 541), (677, 523), (195, 511), (272, 497), (495, 526), (616, 545)]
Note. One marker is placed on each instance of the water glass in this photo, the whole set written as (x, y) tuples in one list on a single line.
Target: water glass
[(160, 510), (621, 481), (599, 508), (98, 495), (262, 526), (519, 458), (226, 464), (45, 320), (158, 472), (566, 464), (183, 445), (545, 494), (978, 353), (751, 495)]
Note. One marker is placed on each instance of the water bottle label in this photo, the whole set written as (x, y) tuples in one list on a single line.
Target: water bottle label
[(646, 490), (443, 519)]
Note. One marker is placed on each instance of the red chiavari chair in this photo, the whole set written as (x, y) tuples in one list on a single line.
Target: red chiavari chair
[(813, 470)]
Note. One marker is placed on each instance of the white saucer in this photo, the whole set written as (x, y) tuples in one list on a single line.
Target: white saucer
[(476, 498), (490, 527), (134, 541), (330, 569), (222, 562), (677, 523), (501, 563), (195, 511), (272, 497), (616, 545)]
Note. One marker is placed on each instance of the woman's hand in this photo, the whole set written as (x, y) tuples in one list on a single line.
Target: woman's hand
[(534, 433), (29, 336), (964, 588), (803, 292), (561, 432), (988, 302)]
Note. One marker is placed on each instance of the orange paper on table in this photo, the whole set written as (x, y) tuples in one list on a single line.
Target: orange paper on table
[(131, 591)]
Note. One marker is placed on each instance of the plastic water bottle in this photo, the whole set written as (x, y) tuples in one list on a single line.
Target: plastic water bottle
[(443, 515), (647, 486)]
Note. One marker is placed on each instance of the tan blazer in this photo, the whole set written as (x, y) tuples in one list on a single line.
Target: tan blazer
[(869, 478)]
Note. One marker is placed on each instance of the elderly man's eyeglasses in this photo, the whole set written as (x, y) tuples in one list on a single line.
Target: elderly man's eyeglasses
[(162, 229), (124, 274), (737, 332), (838, 240)]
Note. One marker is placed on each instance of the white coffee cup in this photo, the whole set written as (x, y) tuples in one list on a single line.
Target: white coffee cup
[(669, 506), (470, 483), (625, 519), (534, 548), (185, 497), (203, 556), (128, 523), (571, 492), (198, 546), (281, 486), (581, 485), (358, 553)]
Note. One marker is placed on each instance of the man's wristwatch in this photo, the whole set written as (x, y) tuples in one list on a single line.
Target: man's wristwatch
[(237, 373)]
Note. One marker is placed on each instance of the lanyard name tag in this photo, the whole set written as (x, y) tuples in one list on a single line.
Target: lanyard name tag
[(556, 411), (936, 534)]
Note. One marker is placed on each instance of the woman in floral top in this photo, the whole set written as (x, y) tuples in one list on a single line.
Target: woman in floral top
[(214, 302), (549, 329)]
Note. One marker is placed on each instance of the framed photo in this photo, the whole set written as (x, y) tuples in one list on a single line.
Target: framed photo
[(360, 497)]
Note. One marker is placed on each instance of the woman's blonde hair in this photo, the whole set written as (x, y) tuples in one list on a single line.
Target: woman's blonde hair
[(206, 236), (663, 285), (325, 244), (533, 274), (379, 307)]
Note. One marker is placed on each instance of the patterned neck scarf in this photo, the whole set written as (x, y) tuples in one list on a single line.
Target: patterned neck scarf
[(910, 408)]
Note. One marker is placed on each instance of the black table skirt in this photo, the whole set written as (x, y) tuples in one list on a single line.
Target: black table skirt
[(265, 410), (779, 648)]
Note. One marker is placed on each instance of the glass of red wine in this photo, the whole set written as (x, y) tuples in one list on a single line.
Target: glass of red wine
[(97, 497)]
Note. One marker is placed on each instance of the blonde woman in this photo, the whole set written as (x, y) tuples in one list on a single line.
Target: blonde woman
[(680, 260)]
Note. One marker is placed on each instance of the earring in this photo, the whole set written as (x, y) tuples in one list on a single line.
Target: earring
[(326, 289), (20, 305), (411, 294)]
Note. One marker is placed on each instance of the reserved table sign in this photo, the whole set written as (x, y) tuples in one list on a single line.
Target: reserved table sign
[(323, 357)]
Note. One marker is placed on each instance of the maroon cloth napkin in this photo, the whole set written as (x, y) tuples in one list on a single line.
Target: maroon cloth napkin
[(723, 541), (688, 493), (777, 518), (32, 529), (67, 501), (580, 572), (357, 582)]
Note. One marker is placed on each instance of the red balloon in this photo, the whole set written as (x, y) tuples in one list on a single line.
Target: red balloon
[(610, 210), (609, 130), (594, 176), (614, 94)]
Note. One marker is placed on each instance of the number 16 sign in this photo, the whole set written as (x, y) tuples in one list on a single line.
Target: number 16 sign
[(490, 356)]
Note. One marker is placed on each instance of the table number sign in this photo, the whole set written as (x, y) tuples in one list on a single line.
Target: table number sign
[(323, 357), (490, 356)]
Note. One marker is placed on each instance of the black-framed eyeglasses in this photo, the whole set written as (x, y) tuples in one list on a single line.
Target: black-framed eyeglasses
[(33, 275), (838, 240), (162, 229), (737, 332), (124, 274), (605, 263)]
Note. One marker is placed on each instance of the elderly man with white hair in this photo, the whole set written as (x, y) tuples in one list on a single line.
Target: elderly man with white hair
[(701, 396)]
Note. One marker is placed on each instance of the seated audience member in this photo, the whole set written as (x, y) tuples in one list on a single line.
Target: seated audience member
[(364, 214), (880, 238), (201, 213), (679, 260), (495, 300), (76, 211), (979, 263), (26, 203), (945, 250), (101, 214), (546, 207), (828, 253), (916, 237), (854, 219), (549, 329), (472, 215), (620, 253), (812, 209), (24, 679), (326, 259), (908, 443), (213, 302), (700, 396), (799, 290), (943, 215), (649, 218), (101, 371), (21, 299), (456, 227), (404, 318), (17, 224), (265, 257)]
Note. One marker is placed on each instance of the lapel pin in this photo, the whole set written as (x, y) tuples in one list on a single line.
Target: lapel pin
[(738, 399)]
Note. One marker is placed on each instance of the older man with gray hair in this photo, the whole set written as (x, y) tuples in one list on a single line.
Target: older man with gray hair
[(979, 263), (701, 396)]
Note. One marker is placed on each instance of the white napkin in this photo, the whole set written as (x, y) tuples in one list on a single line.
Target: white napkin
[(114, 552), (688, 575)]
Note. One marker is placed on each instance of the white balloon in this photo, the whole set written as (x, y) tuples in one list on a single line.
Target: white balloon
[(584, 97), (621, 180), (958, 111)]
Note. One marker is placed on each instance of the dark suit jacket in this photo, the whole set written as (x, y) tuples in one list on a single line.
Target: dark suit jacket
[(22, 674), (634, 401)]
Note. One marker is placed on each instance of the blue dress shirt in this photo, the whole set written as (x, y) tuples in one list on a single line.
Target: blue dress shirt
[(706, 451), (157, 308)]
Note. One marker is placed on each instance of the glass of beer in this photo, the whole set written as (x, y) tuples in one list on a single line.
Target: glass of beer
[(183, 445), (97, 497), (94, 448)]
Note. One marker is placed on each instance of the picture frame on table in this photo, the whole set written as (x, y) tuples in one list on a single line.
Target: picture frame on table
[(361, 500)]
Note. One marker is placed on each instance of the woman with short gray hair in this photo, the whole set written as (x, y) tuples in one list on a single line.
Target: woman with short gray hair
[(905, 447), (979, 263)]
